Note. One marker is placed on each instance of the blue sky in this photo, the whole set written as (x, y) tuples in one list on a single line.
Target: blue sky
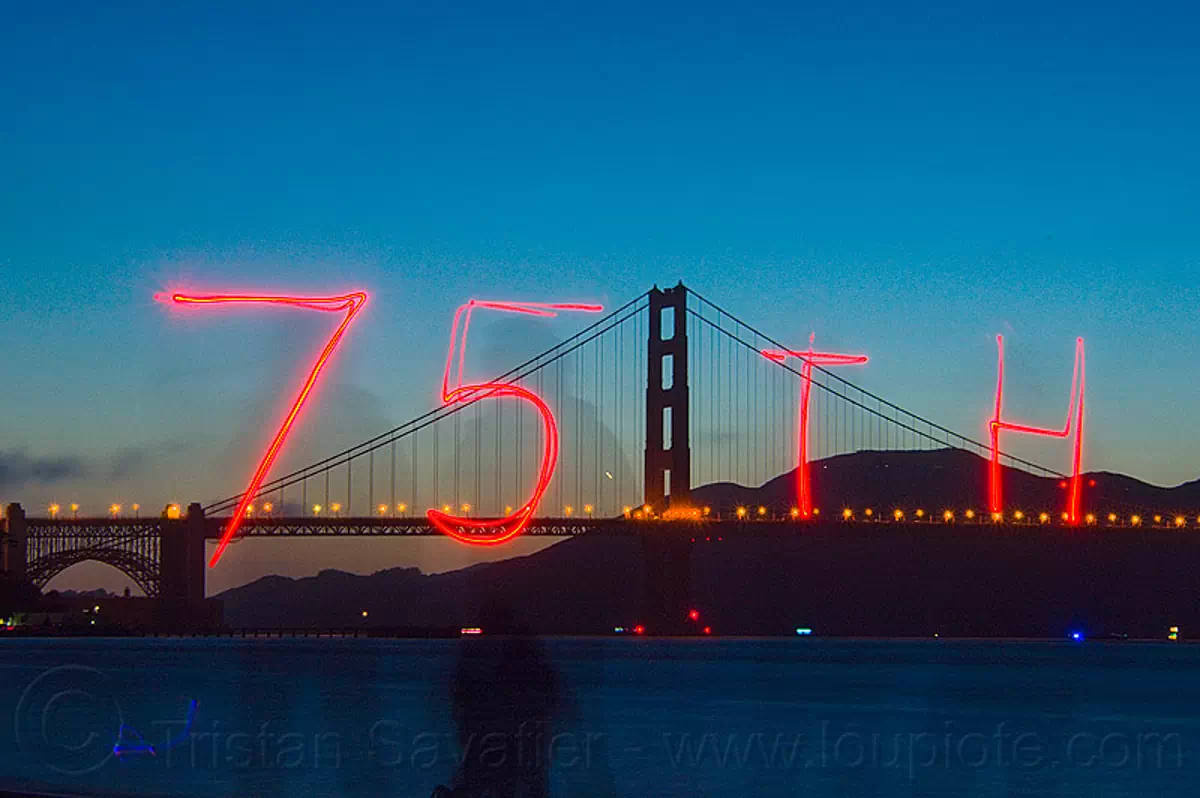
[(908, 182)]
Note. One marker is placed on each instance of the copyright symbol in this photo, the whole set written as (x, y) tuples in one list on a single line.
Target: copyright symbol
[(68, 719)]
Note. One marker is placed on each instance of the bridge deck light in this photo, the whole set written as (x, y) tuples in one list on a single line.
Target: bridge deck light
[(795, 512), (268, 508), (997, 517), (445, 508), (54, 508), (1044, 518), (317, 509), (1136, 520), (847, 514), (920, 513), (970, 514), (75, 510), (136, 507), (762, 510), (587, 508), (868, 512), (402, 507), (1112, 518), (336, 508), (948, 516), (816, 511), (114, 510), (1089, 519), (898, 515), (1019, 516), (383, 508), (707, 510), (1158, 519), (741, 512), (249, 509), (569, 510), (626, 510), (1180, 521)]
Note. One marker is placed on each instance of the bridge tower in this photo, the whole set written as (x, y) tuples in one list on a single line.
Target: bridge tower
[(668, 459), (667, 550), (13, 542), (181, 568)]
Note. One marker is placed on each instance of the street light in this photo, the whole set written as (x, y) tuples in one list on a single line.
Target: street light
[(54, 510), (136, 507), (74, 510), (115, 510)]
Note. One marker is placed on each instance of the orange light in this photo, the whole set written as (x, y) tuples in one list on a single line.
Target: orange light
[(317, 509), (948, 516), (920, 513), (173, 512), (1090, 519), (383, 508), (1136, 520), (762, 510), (1112, 518), (997, 517), (587, 508), (335, 507), (569, 510), (350, 304), (1180, 521), (268, 507), (115, 510), (847, 514), (1019, 516), (741, 512), (970, 514), (707, 510), (868, 512), (898, 515), (54, 508), (1044, 517), (1158, 519), (795, 512)]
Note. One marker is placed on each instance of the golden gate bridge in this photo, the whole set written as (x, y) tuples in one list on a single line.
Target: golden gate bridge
[(663, 394)]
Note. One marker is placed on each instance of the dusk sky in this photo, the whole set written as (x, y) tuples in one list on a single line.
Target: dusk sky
[(906, 183)]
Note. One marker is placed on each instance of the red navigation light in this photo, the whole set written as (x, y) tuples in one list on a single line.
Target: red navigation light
[(350, 304), (639, 630), (708, 630), (499, 530), (809, 358), (694, 615), (1074, 418)]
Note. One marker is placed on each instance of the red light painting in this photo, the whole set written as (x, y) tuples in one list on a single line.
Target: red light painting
[(349, 304), (1074, 419), (809, 359), (492, 531)]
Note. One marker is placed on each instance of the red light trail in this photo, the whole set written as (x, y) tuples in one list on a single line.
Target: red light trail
[(810, 358), (499, 530), (350, 304), (1074, 417)]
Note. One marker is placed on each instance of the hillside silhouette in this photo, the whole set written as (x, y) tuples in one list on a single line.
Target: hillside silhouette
[(870, 579)]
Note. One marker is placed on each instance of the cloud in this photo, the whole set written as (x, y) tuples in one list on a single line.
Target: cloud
[(134, 460), (18, 468)]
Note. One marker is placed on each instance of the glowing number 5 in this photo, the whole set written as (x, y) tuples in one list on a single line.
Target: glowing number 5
[(498, 530), (349, 304)]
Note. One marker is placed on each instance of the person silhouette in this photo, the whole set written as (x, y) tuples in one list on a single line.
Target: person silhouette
[(505, 698)]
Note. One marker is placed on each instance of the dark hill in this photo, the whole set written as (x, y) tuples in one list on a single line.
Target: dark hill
[(870, 579)]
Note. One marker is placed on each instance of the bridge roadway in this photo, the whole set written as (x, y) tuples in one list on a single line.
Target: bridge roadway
[(419, 526)]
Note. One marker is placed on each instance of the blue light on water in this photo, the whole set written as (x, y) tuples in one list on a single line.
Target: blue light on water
[(803, 630), (1077, 636)]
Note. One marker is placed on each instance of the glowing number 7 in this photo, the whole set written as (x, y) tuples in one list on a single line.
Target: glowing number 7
[(350, 304), (1074, 416), (810, 359), (498, 530)]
